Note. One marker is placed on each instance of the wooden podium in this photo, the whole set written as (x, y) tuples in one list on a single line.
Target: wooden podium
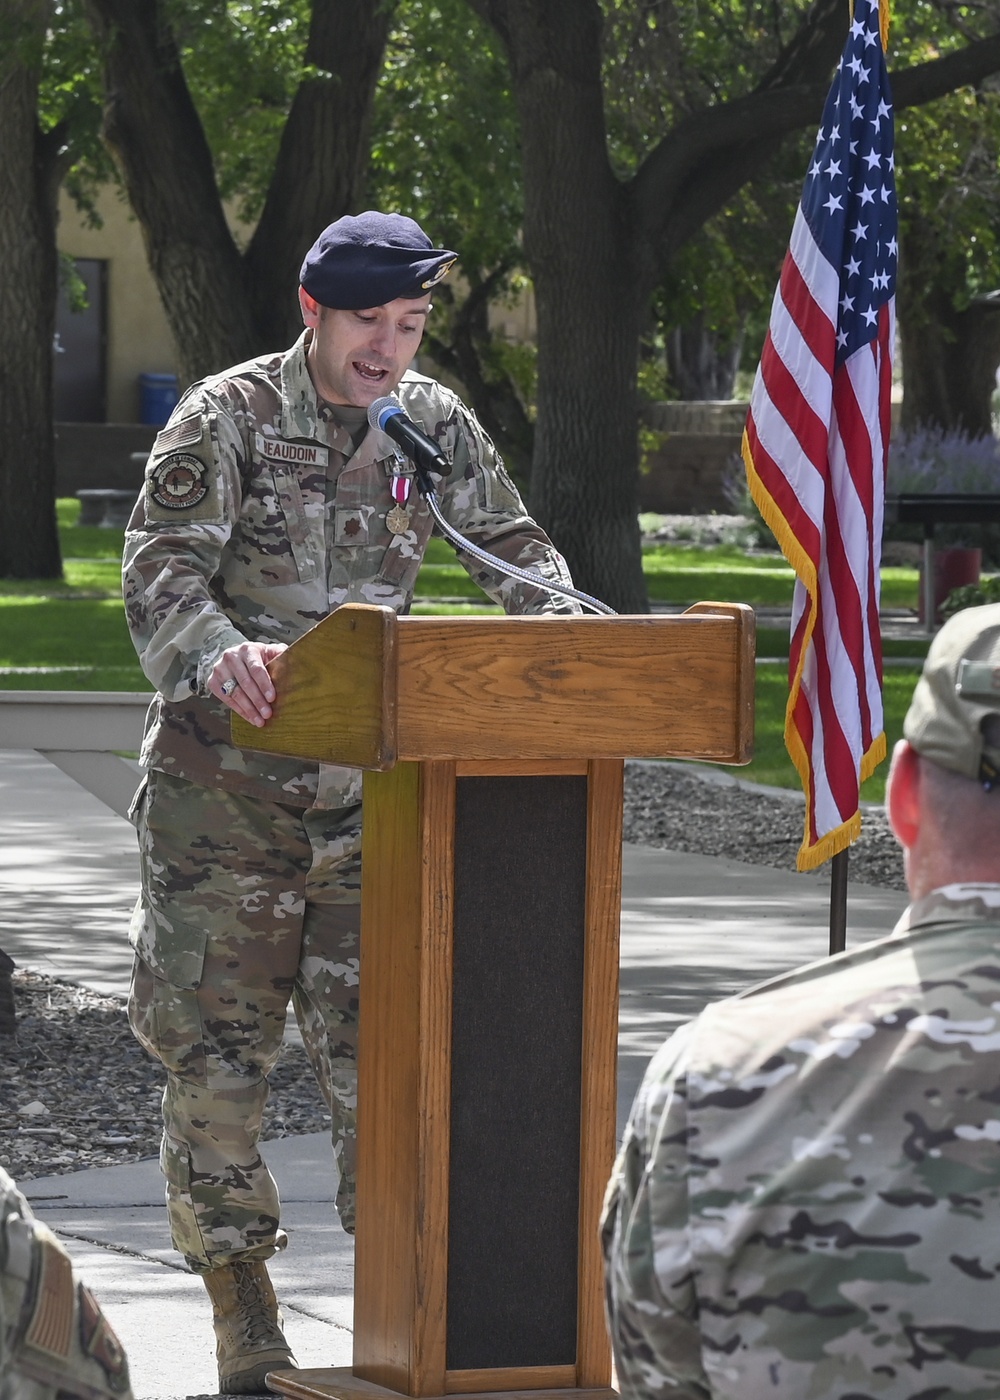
[(491, 890)]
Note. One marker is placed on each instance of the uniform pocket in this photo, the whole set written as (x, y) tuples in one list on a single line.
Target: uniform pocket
[(172, 949)]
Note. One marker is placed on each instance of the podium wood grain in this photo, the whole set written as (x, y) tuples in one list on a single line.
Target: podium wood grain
[(677, 686)]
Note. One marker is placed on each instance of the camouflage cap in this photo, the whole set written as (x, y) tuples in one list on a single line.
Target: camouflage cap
[(365, 260), (958, 691)]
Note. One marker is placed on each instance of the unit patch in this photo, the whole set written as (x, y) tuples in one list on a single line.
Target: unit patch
[(178, 482), (98, 1340)]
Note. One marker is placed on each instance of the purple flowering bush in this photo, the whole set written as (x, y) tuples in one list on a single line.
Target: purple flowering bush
[(941, 461)]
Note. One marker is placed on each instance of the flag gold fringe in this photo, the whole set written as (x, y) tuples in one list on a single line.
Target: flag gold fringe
[(837, 840), (884, 20)]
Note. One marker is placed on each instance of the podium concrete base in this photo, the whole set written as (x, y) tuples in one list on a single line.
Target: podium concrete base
[(340, 1383)]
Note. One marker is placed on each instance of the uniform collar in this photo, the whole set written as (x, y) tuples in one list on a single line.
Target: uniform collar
[(953, 904), (302, 415)]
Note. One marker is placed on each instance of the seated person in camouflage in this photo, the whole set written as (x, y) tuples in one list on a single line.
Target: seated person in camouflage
[(55, 1343), (269, 501), (807, 1199)]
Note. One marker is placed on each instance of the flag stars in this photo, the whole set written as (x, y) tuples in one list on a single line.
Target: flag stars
[(833, 204), (833, 169), (871, 316), (867, 196), (846, 303), (853, 267), (860, 230), (873, 160)]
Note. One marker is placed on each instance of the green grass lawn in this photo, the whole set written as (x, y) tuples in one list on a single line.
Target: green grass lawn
[(70, 634)]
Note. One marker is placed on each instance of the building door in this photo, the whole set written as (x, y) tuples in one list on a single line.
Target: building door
[(79, 350)]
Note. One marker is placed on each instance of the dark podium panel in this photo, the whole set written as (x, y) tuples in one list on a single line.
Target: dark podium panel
[(490, 905), (517, 1029)]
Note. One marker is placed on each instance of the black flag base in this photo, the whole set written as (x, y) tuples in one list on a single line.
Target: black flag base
[(838, 901)]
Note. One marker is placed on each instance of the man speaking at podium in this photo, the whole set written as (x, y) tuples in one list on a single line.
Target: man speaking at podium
[(268, 502)]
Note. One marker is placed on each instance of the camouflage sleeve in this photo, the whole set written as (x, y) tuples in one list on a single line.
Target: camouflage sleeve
[(649, 1269), (55, 1342), (482, 502), (173, 545)]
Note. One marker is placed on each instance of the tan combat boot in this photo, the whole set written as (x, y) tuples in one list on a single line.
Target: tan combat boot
[(249, 1339)]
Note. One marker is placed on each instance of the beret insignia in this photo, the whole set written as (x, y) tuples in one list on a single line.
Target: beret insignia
[(439, 274)]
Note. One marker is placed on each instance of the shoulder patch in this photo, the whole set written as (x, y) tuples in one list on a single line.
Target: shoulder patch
[(181, 434), (178, 481), (99, 1340), (51, 1326)]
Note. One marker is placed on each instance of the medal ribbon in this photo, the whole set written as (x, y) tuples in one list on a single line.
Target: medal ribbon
[(401, 488)]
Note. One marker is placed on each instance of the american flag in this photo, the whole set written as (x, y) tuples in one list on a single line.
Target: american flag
[(817, 436)]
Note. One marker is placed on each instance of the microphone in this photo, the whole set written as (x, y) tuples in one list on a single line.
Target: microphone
[(387, 414)]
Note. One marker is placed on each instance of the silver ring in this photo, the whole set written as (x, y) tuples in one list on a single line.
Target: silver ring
[(227, 687)]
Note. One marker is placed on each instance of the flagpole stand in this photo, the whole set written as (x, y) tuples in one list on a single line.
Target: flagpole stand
[(930, 591), (838, 902)]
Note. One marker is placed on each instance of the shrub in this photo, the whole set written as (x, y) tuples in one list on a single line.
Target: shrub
[(972, 595)]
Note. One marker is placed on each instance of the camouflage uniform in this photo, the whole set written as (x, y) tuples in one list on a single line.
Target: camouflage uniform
[(258, 519), (806, 1201), (55, 1343)]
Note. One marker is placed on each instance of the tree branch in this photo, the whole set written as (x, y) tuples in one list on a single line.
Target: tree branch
[(707, 157), (323, 156)]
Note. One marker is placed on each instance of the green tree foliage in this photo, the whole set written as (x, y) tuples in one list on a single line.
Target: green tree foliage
[(949, 201)]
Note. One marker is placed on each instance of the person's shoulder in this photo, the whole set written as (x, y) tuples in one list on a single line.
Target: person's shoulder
[(63, 1345), (237, 381), (420, 392)]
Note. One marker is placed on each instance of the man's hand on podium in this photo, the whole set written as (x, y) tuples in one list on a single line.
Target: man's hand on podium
[(240, 680)]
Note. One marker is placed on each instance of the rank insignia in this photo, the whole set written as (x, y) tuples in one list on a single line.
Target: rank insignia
[(178, 482)]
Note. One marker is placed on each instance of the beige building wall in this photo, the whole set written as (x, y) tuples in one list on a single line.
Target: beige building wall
[(139, 339), (138, 335)]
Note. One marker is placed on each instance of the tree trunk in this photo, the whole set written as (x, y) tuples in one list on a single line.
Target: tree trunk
[(222, 306), (323, 158), (579, 244), (470, 353), (29, 543), (702, 365), (156, 136), (950, 360)]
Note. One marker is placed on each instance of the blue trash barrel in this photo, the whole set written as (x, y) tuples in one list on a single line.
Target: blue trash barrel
[(157, 398)]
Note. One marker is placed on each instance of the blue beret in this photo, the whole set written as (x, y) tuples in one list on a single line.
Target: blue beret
[(369, 259)]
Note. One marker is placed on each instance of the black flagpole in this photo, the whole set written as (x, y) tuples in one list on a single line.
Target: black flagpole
[(838, 902)]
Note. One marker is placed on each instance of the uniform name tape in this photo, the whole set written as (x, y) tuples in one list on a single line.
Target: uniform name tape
[(298, 453)]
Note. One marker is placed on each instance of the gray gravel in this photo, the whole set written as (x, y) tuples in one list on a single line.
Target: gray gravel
[(77, 1091), (708, 811)]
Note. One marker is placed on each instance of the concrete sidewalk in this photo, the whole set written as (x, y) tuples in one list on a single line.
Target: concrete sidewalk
[(693, 929)]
